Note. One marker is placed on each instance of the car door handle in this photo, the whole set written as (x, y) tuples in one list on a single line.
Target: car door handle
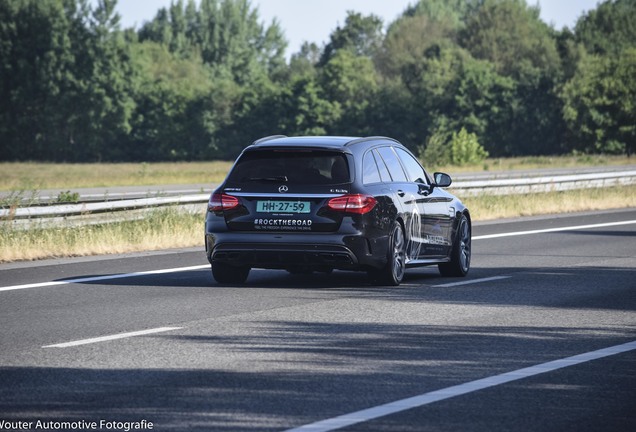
[(401, 193)]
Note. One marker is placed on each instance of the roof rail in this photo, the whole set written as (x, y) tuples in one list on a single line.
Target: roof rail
[(267, 138), (369, 138)]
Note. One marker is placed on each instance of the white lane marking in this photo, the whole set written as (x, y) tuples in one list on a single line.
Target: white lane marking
[(102, 278), (473, 281), (549, 230), (112, 337), (458, 390)]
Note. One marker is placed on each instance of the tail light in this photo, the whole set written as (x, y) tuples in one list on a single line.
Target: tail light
[(219, 202), (358, 204)]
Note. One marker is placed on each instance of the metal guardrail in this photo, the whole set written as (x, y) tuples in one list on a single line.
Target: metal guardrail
[(100, 207), (512, 186), (130, 209)]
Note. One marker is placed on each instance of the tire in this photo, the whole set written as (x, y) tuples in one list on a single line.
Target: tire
[(227, 273), (393, 272), (459, 263)]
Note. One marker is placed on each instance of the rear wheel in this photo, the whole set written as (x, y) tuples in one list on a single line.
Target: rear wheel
[(459, 264), (227, 273), (393, 272)]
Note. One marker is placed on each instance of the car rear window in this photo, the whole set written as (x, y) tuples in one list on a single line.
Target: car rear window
[(307, 167)]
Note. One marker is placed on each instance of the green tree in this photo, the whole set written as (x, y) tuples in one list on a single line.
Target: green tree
[(311, 112), (179, 26), (600, 104), (226, 33), (169, 121), (244, 63), (610, 28), (360, 35), (570, 52), (105, 81), (510, 35), (485, 103), (35, 73), (411, 38), (350, 83), (394, 112), (453, 12), (304, 63), (65, 80)]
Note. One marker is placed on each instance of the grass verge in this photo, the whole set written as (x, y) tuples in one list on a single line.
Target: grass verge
[(161, 229), (28, 176), (490, 207), (169, 228), (536, 162)]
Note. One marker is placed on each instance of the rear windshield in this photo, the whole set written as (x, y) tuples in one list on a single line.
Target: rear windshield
[(293, 166)]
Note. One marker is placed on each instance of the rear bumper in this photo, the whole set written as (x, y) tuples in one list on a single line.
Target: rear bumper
[(285, 256), (289, 252)]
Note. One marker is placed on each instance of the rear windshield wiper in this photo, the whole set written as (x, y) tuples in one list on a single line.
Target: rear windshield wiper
[(269, 179)]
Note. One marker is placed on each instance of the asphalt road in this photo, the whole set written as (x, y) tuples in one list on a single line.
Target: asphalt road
[(540, 337)]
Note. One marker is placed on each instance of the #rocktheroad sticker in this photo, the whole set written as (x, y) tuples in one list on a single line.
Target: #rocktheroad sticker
[(283, 224)]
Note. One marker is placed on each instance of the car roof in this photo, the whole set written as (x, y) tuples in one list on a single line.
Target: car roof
[(335, 142)]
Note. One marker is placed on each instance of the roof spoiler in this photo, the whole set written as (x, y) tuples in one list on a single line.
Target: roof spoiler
[(268, 138)]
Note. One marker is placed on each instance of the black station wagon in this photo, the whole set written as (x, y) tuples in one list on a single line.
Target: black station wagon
[(321, 203)]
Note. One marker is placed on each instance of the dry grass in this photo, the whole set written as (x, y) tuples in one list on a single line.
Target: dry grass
[(161, 229), (489, 207)]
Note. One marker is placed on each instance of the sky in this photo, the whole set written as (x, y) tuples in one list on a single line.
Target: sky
[(315, 20)]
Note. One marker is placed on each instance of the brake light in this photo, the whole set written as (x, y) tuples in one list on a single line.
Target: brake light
[(219, 202), (358, 204)]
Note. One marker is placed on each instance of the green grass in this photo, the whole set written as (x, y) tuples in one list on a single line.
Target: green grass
[(537, 162), (28, 176)]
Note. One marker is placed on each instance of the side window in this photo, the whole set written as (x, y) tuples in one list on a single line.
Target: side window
[(384, 172), (413, 168), (392, 163), (370, 172)]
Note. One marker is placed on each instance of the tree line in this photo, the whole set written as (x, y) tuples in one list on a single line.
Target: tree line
[(203, 79)]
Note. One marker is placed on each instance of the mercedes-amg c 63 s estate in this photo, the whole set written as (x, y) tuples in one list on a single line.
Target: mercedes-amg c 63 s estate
[(321, 203)]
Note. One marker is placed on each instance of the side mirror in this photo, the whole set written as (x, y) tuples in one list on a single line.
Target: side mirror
[(442, 179)]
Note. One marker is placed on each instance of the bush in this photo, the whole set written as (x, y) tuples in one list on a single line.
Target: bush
[(465, 149), (437, 151), (460, 148)]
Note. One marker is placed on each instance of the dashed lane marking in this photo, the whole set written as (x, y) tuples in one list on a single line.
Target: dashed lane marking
[(472, 281), (112, 337)]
